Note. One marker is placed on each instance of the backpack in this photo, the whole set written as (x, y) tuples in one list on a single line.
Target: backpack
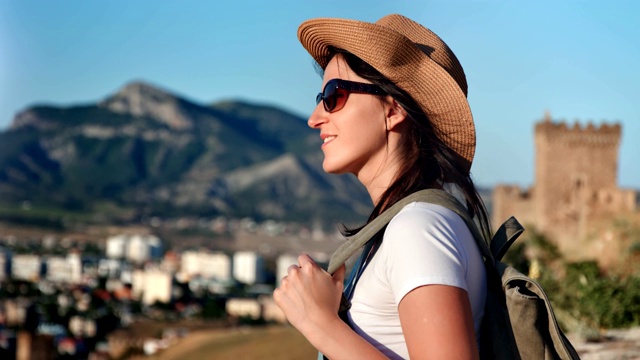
[(518, 321)]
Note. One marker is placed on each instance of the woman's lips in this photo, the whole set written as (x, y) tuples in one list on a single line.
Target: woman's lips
[(327, 139)]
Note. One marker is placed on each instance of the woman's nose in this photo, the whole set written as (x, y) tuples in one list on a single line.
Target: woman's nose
[(317, 117)]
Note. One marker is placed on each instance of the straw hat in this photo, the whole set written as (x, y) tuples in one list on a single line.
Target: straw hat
[(411, 56)]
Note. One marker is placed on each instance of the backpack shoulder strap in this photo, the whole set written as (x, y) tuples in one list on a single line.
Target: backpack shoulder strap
[(357, 241), (434, 196), (504, 237)]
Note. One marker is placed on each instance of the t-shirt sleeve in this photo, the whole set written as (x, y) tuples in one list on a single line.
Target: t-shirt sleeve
[(421, 246)]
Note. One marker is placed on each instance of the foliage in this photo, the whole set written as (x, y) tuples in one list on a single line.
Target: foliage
[(213, 308), (597, 299), (546, 250), (517, 258)]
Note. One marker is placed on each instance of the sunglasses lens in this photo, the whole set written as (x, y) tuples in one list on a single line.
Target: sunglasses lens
[(334, 98), (329, 96)]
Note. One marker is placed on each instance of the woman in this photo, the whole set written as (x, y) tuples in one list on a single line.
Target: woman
[(393, 112)]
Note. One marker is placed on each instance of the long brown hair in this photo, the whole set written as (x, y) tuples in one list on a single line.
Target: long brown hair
[(429, 162)]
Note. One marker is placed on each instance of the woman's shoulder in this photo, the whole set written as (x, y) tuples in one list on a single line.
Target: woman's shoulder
[(423, 215), (427, 243)]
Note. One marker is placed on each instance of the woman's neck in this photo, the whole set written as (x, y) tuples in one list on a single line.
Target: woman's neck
[(384, 167), (377, 180)]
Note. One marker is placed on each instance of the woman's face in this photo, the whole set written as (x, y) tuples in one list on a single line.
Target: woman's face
[(355, 137)]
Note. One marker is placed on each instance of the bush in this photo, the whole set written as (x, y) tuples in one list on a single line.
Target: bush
[(593, 298)]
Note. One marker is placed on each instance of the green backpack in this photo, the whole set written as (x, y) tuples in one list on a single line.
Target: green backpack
[(518, 321)]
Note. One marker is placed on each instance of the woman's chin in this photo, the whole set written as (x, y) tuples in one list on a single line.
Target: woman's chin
[(332, 169)]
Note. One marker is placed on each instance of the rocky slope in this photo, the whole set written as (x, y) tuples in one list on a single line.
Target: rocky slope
[(151, 152)]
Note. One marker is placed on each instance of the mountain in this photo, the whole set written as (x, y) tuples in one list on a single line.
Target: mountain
[(145, 151)]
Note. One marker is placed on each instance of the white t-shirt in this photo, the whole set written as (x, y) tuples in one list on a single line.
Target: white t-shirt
[(424, 244)]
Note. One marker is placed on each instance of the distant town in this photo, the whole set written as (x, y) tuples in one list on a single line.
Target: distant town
[(61, 298)]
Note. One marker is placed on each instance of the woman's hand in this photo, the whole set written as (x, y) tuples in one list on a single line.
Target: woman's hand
[(310, 299), (309, 296)]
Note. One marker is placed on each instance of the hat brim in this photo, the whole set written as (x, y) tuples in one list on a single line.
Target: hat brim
[(403, 62)]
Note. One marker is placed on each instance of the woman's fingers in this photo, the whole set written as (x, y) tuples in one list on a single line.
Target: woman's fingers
[(338, 276), (292, 268), (308, 293), (305, 260)]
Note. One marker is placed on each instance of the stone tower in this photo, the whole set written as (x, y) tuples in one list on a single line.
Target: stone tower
[(576, 171)]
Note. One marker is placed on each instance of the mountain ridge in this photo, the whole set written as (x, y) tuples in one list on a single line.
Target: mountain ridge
[(152, 152)]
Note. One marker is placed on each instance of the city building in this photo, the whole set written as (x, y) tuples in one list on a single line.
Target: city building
[(216, 265), (116, 247), (66, 269), (136, 248), (26, 267), (282, 264), (152, 285), (248, 267)]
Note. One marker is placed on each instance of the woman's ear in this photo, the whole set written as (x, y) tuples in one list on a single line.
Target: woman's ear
[(395, 114)]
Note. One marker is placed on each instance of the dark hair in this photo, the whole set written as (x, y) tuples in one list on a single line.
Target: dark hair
[(430, 162)]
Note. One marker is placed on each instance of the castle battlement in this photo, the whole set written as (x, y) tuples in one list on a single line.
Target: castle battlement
[(577, 134)]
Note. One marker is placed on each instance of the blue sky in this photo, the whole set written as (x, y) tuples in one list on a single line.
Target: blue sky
[(576, 59)]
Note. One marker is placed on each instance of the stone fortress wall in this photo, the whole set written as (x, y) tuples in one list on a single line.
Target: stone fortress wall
[(575, 187)]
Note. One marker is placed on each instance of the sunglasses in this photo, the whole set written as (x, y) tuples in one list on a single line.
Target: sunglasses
[(336, 91)]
